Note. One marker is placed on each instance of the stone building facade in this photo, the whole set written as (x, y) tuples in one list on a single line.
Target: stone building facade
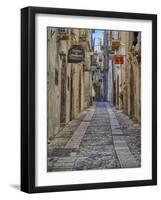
[(69, 84), (126, 75), (72, 86)]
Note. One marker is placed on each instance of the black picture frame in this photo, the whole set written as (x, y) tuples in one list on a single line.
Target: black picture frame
[(28, 98)]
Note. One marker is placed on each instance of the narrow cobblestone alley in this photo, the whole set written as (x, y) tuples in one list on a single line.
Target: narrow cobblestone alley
[(101, 138)]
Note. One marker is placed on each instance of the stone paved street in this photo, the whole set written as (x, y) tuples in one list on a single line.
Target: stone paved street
[(101, 138)]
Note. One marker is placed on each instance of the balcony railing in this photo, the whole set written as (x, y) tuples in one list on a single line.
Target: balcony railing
[(63, 34), (115, 45), (83, 36)]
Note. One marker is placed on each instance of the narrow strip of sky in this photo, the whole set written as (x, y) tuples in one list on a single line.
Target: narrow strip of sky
[(97, 36)]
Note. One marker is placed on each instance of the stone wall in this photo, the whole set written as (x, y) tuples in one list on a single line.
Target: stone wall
[(69, 87), (53, 87), (127, 76)]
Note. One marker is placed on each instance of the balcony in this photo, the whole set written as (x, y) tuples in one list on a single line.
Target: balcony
[(63, 34), (84, 40), (115, 45), (110, 54), (83, 35)]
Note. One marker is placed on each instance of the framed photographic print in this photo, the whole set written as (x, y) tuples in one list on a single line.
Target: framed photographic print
[(88, 99)]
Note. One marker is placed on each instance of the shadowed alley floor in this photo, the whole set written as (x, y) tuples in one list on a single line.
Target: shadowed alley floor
[(101, 138)]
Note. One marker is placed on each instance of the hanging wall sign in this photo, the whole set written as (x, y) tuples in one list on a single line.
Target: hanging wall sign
[(119, 59), (76, 54), (93, 67)]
